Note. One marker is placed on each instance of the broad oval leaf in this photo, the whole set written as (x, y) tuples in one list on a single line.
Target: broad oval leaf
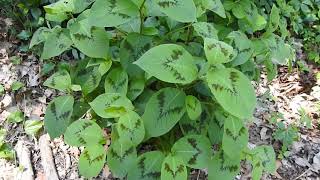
[(130, 126), (263, 158), (58, 115), (193, 107), (83, 133), (163, 110), (223, 167), (170, 63), (233, 91), (217, 52), (131, 49), (39, 36), (148, 166), (111, 105), (56, 43), (243, 46), (89, 79), (216, 6), (116, 81), (235, 137), (173, 168), (110, 13), (95, 46), (60, 80), (194, 150), (179, 10), (205, 30), (121, 157), (92, 160)]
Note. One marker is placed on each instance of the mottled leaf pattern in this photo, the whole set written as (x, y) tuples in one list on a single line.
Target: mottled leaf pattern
[(173, 168), (233, 91), (194, 150), (130, 126), (243, 47), (235, 137), (83, 133), (217, 51), (58, 115), (121, 157), (116, 82), (111, 105), (223, 167), (56, 43), (110, 13), (60, 80), (131, 49), (147, 167), (193, 107), (95, 46), (179, 10), (205, 30), (163, 110), (170, 63), (92, 160)]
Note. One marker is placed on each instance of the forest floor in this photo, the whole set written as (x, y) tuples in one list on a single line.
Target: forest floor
[(293, 98)]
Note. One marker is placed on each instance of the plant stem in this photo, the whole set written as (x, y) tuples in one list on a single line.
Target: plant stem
[(141, 16)]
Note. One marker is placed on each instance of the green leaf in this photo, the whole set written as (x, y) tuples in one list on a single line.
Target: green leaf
[(264, 158), (56, 43), (104, 65), (179, 10), (233, 91), (136, 87), (92, 160), (16, 86), (116, 82), (16, 117), (130, 126), (32, 127), (95, 46), (170, 63), (60, 80), (193, 107), (205, 30), (122, 156), (147, 167), (217, 52), (223, 167), (39, 36), (217, 7), (243, 47), (89, 79), (131, 49), (58, 115), (274, 19), (235, 137), (163, 110), (83, 133), (194, 150), (173, 168), (110, 13), (111, 105), (6, 152)]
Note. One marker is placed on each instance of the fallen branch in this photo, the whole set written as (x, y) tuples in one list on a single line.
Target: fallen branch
[(23, 154), (47, 159)]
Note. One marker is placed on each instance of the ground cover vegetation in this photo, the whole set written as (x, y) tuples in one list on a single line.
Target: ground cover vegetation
[(167, 82)]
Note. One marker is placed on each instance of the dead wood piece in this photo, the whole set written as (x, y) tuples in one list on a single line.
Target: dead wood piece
[(23, 154), (47, 159)]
